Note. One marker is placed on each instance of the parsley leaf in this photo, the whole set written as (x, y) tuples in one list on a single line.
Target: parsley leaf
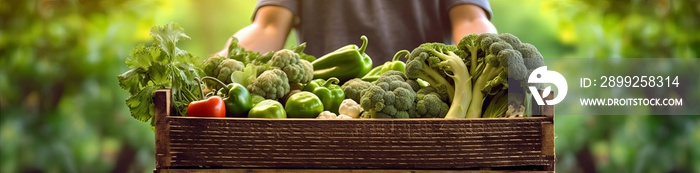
[(141, 104), (131, 80), (141, 57), (161, 65), (167, 36)]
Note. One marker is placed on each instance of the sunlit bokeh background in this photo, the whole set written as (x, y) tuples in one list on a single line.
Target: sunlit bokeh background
[(63, 111)]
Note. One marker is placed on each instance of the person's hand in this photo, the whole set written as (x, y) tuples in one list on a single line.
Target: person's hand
[(268, 32), (223, 52)]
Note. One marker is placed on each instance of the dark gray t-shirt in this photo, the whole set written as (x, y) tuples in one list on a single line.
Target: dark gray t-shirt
[(390, 25)]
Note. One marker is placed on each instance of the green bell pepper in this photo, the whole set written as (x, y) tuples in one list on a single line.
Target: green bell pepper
[(394, 64), (236, 97), (267, 109), (303, 105), (344, 63), (328, 91)]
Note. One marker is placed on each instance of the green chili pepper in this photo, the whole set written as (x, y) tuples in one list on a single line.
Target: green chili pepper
[(303, 105), (267, 109), (328, 91), (237, 98), (344, 63), (394, 64)]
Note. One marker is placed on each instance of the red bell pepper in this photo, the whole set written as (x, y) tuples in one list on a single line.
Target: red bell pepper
[(211, 107)]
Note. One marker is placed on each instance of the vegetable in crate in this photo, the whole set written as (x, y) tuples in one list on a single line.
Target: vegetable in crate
[(441, 66), (297, 70), (213, 106), (344, 63), (354, 87), (293, 89), (389, 97), (350, 108), (221, 68), (282, 69), (303, 105), (493, 59), (395, 64), (331, 115), (271, 84), (158, 66), (237, 98), (267, 109), (430, 104), (328, 91), (246, 76), (327, 115)]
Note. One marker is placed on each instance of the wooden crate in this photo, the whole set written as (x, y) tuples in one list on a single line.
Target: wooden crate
[(488, 145)]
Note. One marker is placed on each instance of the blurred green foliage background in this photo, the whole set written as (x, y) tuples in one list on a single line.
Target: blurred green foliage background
[(63, 111)]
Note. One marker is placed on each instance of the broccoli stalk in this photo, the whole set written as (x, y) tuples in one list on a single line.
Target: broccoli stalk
[(433, 62), (461, 97), (508, 61)]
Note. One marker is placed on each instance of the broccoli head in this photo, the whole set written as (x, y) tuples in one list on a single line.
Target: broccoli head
[(271, 84), (389, 97), (297, 70), (532, 60), (414, 84), (429, 104), (431, 90), (354, 87)]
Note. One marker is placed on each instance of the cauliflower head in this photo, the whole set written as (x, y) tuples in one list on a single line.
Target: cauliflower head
[(271, 84), (298, 70)]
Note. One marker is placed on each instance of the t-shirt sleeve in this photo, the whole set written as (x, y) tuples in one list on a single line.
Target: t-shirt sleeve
[(484, 4), (292, 5)]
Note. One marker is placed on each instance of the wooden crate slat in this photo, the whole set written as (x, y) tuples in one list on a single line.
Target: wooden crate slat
[(328, 164), (341, 171)]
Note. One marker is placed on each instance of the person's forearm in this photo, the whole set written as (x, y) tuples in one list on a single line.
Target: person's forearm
[(478, 26), (469, 19), (267, 33), (250, 36)]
